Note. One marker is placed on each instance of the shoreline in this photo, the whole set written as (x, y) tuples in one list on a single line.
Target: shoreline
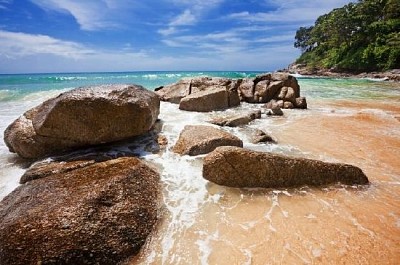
[(302, 70)]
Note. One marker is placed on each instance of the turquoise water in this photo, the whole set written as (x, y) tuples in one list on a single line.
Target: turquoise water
[(15, 87), (18, 85)]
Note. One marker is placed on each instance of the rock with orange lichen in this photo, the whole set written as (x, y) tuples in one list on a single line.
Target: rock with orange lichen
[(86, 213)]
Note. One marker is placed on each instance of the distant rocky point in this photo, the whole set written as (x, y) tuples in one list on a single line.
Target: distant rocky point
[(303, 69)]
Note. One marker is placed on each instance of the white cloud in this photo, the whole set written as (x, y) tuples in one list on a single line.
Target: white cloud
[(193, 10), (168, 31), (290, 11), (89, 14), (184, 19), (17, 44)]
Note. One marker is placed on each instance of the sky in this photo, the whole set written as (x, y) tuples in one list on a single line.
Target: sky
[(45, 36)]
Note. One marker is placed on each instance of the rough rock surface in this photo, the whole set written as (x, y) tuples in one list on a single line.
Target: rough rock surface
[(200, 139), (214, 98), (259, 136), (261, 89), (238, 167), (99, 213), (274, 107), (82, 117), (266, 87), (237, 120), (201, 93)]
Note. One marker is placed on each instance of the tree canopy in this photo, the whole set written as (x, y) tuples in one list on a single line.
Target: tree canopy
[(361, 36)]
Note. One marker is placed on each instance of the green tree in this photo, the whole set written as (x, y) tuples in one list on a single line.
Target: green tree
[(362, 36)]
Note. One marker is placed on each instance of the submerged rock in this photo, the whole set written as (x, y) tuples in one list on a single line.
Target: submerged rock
[(93, 213), (201, 139), (237, 120), (259, 136), (238, 167), (82, 117)]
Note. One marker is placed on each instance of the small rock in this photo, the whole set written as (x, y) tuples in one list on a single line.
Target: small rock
[(200, 139)]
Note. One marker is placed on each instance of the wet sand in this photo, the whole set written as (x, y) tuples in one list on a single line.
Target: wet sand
[(328, 225), (203, 223)]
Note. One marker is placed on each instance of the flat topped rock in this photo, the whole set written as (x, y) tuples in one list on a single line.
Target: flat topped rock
[(98, 213), (243, 168), (82, 117), (200, 139)]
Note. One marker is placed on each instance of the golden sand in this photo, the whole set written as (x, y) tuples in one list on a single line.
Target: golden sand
[(329, 225)]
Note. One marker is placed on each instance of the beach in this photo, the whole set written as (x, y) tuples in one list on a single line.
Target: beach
[(354, 121)]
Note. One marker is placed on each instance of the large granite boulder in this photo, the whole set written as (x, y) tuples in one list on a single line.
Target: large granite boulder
[(214, 98), (201, 139), (82, 117), (201, 94), (89, 213), (238, 167)]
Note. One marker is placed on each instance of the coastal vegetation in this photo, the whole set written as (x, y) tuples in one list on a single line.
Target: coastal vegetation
[(359, 37)]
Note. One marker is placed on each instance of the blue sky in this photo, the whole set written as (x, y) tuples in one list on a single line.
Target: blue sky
[(139, 35)]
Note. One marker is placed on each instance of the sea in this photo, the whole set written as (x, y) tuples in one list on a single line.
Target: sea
[(354, 121)]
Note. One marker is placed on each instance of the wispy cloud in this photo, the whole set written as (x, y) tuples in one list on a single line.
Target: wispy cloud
[(193, 11), (184, 19), (289, 11), (4, 3), (89, 14), (17, 44)]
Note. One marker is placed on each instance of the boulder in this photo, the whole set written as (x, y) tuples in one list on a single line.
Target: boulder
[(275, 107), (238, 167), (99, 213), (259, 136), (200, 139), (202, 93), (301, 103), (246, 91), (237, 120), (175, 92), (82, 117), (214, 98)]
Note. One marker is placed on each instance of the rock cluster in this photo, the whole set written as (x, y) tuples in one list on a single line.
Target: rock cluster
[(277, 87), (213, 93), (79, 213), (82, 117), (238, 167)]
